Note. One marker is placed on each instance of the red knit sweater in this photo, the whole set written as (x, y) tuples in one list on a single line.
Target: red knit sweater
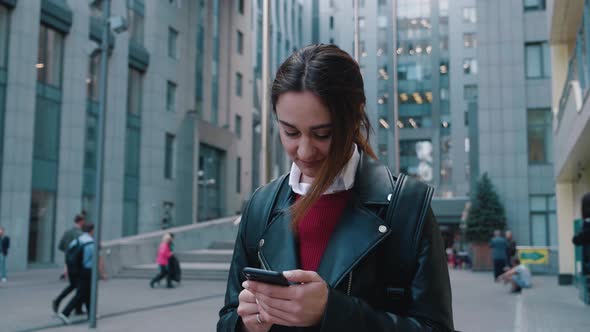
[(315, 229)]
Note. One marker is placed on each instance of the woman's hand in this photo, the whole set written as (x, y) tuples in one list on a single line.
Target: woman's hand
[(302, 304), (248, 310)]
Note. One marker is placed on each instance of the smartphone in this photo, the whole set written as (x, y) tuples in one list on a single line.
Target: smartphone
[(269, 277)]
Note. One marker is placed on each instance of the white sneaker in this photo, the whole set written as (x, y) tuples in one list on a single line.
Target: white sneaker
[(63, 318), (3, 279)]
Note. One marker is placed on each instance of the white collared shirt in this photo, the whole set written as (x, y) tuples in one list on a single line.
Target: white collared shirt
[(343, 181)]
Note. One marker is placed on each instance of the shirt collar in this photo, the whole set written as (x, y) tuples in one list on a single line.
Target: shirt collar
[(343, 181)]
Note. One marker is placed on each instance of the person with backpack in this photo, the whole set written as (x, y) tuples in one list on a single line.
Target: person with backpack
[(360, 249), (79, 261), (72, 276)]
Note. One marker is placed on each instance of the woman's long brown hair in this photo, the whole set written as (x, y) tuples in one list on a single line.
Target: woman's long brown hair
[(334, 76)]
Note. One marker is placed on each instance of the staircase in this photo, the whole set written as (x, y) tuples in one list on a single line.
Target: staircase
[(204, 264)]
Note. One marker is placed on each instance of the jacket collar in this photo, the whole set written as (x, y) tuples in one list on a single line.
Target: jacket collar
[(358, 231)]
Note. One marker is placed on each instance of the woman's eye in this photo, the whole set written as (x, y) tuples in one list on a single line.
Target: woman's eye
[(291, 134), (323, 136)]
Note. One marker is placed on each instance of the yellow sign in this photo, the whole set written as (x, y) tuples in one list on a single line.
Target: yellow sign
[(533, 256)]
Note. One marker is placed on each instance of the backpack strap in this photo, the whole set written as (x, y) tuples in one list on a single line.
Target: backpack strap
[(408, 207)]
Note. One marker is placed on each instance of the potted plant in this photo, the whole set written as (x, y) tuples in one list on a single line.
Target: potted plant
[(485, 215)]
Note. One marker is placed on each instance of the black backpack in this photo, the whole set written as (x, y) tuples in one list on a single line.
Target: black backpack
[(75, 256)]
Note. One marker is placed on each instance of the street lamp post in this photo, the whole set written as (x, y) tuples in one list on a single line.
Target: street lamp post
[(104, 47), (119, 25)]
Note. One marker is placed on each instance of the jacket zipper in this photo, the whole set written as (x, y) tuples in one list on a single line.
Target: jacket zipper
[(349, 283), (264, 267)]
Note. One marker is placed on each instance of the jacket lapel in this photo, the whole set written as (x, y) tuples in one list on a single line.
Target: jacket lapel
[(278, 248), (358, 231)]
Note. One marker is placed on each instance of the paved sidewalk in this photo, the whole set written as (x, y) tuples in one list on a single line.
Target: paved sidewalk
[(479, 305), (124, 305)]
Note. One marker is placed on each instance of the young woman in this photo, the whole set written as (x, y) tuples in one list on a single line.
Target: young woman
[(165, 251), (328, 236)]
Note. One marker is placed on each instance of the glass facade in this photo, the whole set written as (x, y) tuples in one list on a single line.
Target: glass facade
[(538, 60), (199, 59), (215, 65), (46, 145), (41, 246), (543, 220), (49, 57), (172, 42), (169, 156), (170, 96), (132, 152), (135, 16), (211, 170), (540, 135), (240, 42), (424, 89)]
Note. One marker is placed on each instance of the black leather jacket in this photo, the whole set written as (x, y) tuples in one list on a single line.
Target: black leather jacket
[(354, 265)]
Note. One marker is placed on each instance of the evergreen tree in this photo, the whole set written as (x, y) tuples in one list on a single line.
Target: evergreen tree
[(486, 213)]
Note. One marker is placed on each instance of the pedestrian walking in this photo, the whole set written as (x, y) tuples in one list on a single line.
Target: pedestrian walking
[(519, 276), (79, 256), (4, 246), (499, 247), (163, 259), (72, 276), (328, 226)]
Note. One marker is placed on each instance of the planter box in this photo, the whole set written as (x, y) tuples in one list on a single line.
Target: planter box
[(482, 256)]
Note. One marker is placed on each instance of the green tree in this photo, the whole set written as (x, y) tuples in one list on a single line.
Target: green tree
[(486, 213)]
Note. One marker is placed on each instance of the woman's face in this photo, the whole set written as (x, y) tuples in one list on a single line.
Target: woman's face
[(305, 130)]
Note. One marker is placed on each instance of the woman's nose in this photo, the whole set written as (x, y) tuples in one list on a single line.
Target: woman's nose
[(305, 149)]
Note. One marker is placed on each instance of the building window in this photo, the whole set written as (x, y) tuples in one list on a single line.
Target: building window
[(49, 56), (92, 82), (3, 36), (469, 66), (469, 40), (239, 175), (538, 61), (534, 5), (331, 22), (241, 6), (238, 124), (170, 96), (240, 42), (238, 84), (540, 142), (172, 41), (543, 220), (134, 87), (169, 157), (136, 19), (469, 15), (470, 92)]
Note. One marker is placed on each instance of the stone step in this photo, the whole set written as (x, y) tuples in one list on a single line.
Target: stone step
[(190, 271), (205, 256), (228, 245)]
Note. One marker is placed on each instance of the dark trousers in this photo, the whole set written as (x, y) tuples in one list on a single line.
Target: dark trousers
[(73, 280), (82, 293), (164, 272), (499, 265)]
